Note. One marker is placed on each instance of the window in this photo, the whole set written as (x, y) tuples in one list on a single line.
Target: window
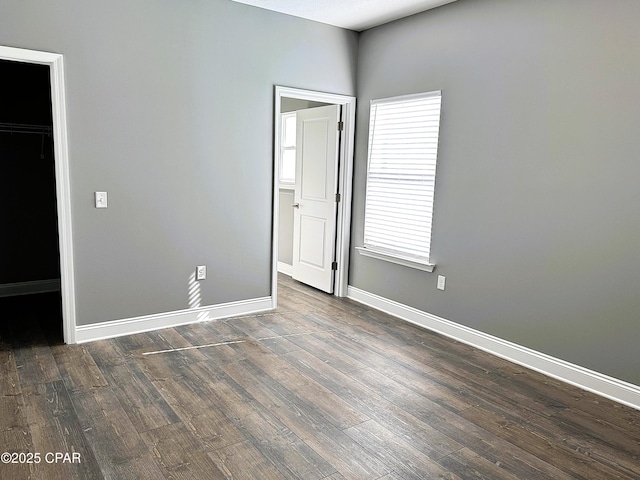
[(401, 173), (288, 148)]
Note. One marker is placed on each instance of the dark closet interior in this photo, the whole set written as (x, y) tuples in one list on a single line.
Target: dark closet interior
[(29, 247)]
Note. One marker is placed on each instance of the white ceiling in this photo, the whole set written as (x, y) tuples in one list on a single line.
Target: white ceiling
[(352, 14)]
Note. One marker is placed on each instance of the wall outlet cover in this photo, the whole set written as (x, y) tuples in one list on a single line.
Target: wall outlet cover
[(201, 272)]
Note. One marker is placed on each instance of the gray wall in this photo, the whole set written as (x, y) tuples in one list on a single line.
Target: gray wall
[(285, 226), (536, 210), (294, 104), (170, 110)]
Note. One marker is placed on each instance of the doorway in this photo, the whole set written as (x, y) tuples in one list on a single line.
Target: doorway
[(44, 198), (30, 260), (289, 99)]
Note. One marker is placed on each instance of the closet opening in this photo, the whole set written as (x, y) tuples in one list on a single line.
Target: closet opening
[(30, 299)]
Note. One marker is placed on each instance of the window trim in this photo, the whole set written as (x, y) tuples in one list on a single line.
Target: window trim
[(379, 253), (283, 148), (395, 258)]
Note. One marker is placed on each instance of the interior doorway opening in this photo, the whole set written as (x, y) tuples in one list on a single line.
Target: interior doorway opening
[(289, 108), (30, 263), (284, 204), (43, 209)]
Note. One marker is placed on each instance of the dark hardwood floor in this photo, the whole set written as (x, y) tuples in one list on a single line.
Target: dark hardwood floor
[(323, 388)]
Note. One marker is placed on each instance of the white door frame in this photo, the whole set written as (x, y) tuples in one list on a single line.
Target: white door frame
[(61, 156), (345, 176)]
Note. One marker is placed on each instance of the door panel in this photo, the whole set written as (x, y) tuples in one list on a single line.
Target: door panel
[(316, 184), (313, 184), (312, 241)]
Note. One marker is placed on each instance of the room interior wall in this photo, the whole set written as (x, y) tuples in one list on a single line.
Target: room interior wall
[(285, 226), (293, 104), (170, 111), (535, 216)]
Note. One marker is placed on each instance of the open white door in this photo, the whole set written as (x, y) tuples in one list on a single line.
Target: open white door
[(314, 221)]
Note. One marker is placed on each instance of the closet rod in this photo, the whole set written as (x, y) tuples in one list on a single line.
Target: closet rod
[(24, 128)]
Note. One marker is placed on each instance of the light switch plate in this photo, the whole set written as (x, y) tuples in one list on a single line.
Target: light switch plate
[(101, 199), (441, 280)]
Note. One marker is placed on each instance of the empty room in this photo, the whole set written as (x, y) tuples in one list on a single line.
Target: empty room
[(264, 239)]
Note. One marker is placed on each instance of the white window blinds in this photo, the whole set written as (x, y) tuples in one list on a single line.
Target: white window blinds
[(403, 149)]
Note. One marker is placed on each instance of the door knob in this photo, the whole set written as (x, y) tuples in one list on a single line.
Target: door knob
[(296, 205)]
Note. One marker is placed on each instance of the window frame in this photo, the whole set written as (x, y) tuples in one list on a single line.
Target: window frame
[(400, 256), (290, 184)]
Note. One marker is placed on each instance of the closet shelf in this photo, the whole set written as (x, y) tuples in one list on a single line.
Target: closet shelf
[(24, 128)]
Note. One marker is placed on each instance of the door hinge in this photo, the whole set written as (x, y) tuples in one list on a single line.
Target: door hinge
[(337, 197), (340, 126), (334, 266)]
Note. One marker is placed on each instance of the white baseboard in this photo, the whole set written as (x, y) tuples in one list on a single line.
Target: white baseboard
[(598, 383), (285, 268), (129, 326), (27, 288)]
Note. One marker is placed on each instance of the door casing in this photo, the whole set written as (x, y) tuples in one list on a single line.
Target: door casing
[(61, 158), (345, 176)]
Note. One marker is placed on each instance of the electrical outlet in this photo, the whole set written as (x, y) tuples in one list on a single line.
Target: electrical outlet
[(201, 272), (441, 281)]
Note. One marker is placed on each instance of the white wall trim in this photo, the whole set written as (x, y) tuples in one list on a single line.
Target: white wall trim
[(397, 259), (129, 326), (598, 383), (63, 189), (285, 268), (27, 288)]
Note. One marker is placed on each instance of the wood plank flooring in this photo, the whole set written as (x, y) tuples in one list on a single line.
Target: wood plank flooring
[(322, 388)]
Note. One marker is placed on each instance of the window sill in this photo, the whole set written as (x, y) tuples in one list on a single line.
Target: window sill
[(407, 262)]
